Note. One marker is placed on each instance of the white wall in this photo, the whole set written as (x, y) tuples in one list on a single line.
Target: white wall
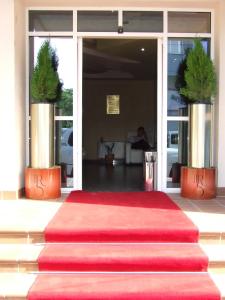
[(120, 3), (12, 77), (220, 116), (20, 88)]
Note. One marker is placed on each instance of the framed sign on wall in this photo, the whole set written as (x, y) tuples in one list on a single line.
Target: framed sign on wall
[(113, 104)]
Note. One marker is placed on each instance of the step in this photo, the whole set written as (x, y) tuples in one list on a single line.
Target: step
[(19, 257), (21, 237), (89, 257), (31, 237), (21, 217), (129, 286), (130, 257), (216, 255), (15, 286)]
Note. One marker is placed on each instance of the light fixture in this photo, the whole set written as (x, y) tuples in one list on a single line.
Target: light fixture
[(142, 49)]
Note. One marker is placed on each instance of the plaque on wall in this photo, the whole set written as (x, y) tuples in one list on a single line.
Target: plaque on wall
[(113, 104)]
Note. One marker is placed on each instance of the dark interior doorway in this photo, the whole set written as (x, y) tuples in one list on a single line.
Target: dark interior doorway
[(119, 96)]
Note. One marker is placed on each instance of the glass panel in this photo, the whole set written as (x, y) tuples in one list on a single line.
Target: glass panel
[(42, 20), (177, 50), (143, 21), (177, 150), (64, 47), (97, 21), (64, 150), (195, 22)]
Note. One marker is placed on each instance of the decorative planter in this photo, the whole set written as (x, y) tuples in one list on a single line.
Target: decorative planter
[(198, 183), (199, 135), (42, 135), (109, 159), (43, 183)]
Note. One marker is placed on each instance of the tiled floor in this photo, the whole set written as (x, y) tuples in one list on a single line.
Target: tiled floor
[(208, 215)]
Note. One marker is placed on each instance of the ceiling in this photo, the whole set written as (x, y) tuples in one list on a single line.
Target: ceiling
[(134, 59)]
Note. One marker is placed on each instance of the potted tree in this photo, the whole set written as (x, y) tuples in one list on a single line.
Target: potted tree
[(198, 179), (42, 180)]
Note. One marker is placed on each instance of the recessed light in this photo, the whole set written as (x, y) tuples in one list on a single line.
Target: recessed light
[(142, 49)]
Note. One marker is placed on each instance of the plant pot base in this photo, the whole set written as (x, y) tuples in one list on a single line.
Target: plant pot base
[(43, 184), (198, 183), (109, 159)]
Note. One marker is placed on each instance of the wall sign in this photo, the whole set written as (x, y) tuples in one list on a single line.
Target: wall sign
[(113, 104)]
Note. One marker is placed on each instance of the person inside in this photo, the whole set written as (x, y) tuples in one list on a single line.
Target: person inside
[(140, 141)]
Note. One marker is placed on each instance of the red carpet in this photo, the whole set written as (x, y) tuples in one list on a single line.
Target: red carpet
[(156, 286), (124, 218), (122, 257), (120, 217)]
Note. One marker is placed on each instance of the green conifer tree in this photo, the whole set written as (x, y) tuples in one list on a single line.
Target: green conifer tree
[(45, 80), (200, 76)]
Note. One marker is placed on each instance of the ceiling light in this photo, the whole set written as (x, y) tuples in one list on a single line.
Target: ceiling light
[(142, 49)]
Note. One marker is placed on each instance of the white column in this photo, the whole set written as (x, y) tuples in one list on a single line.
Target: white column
[(12, 97), (221, 96)]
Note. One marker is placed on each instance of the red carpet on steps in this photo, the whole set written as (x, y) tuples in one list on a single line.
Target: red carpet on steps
[(122, 233), (156, 286), (120, 217), (122, 257)]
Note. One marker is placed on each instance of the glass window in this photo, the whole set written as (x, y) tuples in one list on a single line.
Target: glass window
[(64, 150), (42, 20), (143, 21), (177, 149), (64, 47), (97, 21), (195, 22), (177, 50)]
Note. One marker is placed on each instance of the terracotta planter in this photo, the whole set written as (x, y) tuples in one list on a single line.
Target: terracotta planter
[(43, 183), (198, 183), (109, 158)]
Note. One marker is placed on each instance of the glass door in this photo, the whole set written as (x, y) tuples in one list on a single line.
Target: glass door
[(63, 108)]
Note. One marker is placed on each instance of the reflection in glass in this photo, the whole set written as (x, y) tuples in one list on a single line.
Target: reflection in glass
[(97, 21), (42, 20), (194, 22), (65, 51), (177, 150), (143, 21), (64, 151), (177, 51)]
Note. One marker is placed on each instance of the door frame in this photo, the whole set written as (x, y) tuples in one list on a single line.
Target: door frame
[(161, 92)]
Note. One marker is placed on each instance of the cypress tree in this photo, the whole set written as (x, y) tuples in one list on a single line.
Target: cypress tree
[(200, 76), (45, 80)]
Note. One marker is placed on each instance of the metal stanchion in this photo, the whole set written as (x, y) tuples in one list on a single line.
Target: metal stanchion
[(150, 171)]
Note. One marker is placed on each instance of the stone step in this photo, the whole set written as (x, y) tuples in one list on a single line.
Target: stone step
[(15, 286), (21, 237), (32, 237), (19, 257), (23, 257)]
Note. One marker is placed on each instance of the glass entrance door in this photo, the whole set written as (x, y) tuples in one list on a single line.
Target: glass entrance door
[(154, 119)]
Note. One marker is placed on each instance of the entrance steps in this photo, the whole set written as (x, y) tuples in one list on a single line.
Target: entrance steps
[(22, 240), (22, 258)]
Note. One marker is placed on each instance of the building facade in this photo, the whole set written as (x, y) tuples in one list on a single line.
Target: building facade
[(175, 25)]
